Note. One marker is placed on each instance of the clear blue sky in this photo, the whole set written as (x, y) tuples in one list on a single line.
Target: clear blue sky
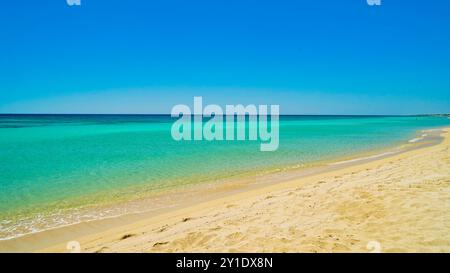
[(309, 56)]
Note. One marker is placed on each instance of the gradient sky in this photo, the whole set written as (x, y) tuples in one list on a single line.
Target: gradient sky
[(309, 56)]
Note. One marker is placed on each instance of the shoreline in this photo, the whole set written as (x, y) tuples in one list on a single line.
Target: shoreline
[(44, 240)]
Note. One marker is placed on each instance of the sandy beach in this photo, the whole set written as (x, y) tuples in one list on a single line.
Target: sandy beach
[(397, 203)]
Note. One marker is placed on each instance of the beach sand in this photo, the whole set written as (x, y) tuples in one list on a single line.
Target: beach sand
[(399, 203)]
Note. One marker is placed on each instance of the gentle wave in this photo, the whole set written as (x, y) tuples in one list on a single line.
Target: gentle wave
[(417, 139)]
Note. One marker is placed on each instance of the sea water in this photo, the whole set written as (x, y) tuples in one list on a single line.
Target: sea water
[(56, 169)]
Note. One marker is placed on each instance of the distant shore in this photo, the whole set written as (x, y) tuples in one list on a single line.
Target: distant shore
[(342, 207)]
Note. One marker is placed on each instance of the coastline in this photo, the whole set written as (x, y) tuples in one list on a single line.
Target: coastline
[(86, 181), (96, 235)]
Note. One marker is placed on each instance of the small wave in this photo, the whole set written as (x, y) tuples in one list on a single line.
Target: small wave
[(362, 158), (422, 137)]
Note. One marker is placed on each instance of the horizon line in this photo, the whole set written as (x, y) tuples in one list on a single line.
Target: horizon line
[(168, 114)]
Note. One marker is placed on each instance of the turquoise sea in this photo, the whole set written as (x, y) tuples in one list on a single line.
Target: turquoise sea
[(55, 169)]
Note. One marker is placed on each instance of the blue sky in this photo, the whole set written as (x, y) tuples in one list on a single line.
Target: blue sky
[(308, 56)]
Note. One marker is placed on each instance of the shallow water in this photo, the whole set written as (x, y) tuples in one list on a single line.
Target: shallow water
[(55, 169)]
